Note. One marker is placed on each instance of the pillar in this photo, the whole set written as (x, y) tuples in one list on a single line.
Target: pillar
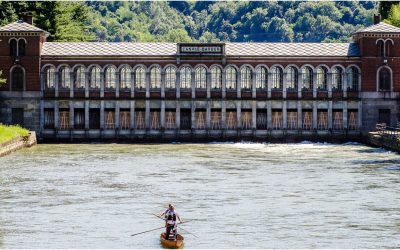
[(239, 113), (330, 118), (269, 111), (147, 114), (254, 114), (162, 115), (71, 115), (132, 114), (299, 115), (102, 114), (56, 115), (315, 116), (117, 116), (87, 114), (284, 114), (345, 122)]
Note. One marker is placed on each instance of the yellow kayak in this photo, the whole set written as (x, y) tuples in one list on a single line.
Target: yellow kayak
[(178, 243)]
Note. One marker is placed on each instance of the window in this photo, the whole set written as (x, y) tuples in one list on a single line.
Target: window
[(261, 119), (322, 78), (245, 78), (109, 119), (155, 78), (170, 120), (200, 118), (277, 78), (125, 76), (186, 119), (352, 117), (170, 77), (352, 79), (337, 79), (276, 119), (322, 119), (307, 75), (387, 47), (110, 79), (140, 119), (155, 119), (291, 78), (21, 47), (216, 119), (216, 78), (384, 79), (13, 47), (201, 78), (65, 78), (337, 119), (292, 119), (79, 118), (94, 118), (50, 77), (231, 119), (186, 78), (17, 79), (246, 117), (261, 78), (307, 119), (125, 119), (64, 119), (80, 78), (231, 78), (140, 78), (381, 48), (48, 118), (95, 77)]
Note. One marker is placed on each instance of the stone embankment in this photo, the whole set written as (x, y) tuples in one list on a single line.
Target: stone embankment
[(384, 140), (18, 143)]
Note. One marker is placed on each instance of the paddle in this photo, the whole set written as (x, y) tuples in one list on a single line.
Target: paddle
[(178, 223), (153, 229)]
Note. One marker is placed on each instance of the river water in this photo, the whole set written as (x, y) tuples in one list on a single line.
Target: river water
[(237, 195)]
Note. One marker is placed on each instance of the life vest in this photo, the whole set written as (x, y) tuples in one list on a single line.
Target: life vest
[(170, 217)]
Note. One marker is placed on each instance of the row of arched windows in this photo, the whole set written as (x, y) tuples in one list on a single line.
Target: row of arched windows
[(137, 76)]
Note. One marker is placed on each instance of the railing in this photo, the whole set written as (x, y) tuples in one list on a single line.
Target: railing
[(383, 129)]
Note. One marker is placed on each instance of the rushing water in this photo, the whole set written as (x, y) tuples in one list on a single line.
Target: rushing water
[(237, 195)]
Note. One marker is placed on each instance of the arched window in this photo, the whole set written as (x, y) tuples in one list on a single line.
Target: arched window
[(80, 78), (352, 78), (140, 78), (155, 77), (245, 77), (125, 76), (388, 44), (186, 78), (21, 47), (201, 78), (231, 79), (170, 77), (65, 78), (337, 79), (307, 76), (50, 77), (292, 78), (277, 78), (110, 78), (17, 79), (261, 78), (95, 77), (216, 78), (384, 79), (322, 78), (381, 48), (13, 47)]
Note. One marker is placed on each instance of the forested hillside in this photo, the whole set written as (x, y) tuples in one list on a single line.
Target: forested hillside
[(196, 21)]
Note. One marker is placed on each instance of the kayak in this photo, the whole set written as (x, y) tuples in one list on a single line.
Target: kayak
[(178, 243)]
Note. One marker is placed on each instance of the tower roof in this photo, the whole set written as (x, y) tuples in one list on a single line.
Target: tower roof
[(21, 26), (379, 28)]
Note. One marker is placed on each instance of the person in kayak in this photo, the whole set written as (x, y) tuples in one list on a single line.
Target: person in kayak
[(170, 221)]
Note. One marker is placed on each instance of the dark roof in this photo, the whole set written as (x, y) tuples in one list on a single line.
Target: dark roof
[(379, 28), (232, 49), (21, 26)]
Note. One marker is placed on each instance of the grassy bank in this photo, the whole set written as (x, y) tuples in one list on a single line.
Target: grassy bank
[(8, 133)]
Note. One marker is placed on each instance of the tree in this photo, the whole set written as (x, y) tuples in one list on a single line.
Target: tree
[(2, 80), (394, 15)]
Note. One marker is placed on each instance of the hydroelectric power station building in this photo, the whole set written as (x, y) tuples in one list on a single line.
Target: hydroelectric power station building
[(198, 91)]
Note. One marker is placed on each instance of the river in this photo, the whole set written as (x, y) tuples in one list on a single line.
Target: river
[(237, 195)]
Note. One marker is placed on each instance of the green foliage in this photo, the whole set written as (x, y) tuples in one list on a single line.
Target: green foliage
[(394, 15), (2, 80), (205, 21), (7, 133)]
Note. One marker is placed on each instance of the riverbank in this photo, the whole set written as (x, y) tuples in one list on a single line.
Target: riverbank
[(13, 138), (387, 141)]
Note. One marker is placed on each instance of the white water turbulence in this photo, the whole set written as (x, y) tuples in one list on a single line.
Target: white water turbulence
[(238, 195)]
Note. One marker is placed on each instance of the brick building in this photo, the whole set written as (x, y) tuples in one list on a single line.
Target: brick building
[(196, 91)]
